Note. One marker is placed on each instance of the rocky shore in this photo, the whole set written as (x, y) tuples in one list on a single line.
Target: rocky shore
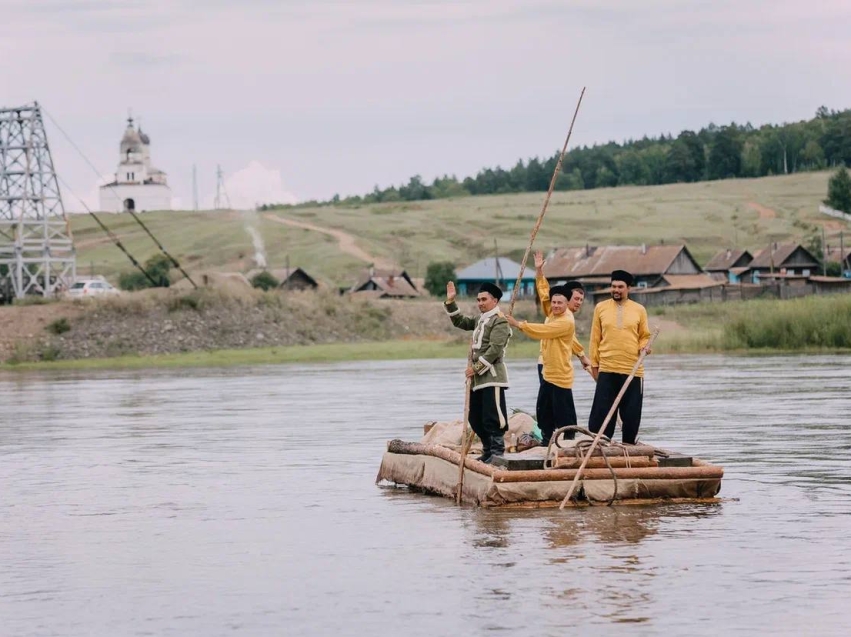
[(172, 321)]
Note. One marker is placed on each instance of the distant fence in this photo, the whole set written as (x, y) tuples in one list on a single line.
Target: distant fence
[(655, 297), (838, 214)]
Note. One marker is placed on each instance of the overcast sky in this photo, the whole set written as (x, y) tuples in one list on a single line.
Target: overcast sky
[(304, 99)]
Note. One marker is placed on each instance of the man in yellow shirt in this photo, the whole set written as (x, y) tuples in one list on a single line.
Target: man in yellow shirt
[(576, 295), (619, 332), (555, 408)]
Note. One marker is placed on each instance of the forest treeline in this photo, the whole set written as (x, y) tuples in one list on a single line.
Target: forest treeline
[(713, 152)]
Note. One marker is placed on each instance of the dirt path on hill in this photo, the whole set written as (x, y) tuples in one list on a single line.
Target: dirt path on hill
[(764, 213), (91, 243), (345, 241)]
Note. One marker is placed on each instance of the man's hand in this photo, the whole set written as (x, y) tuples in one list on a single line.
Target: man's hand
[(539, 260), (469, 373), (513, 322), (647, 351), (595, 371), (586, 362), (450, 292)]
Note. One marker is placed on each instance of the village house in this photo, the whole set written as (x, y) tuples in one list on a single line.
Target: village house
[(779, 261), (500, 271), (727, 264), (651, 266), (384, 284), (289, 278)]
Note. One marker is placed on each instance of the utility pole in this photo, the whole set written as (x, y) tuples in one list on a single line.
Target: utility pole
[(36, 246), (824, 253), (841, 256), (221, 193)]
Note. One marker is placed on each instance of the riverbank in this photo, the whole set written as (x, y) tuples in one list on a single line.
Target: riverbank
[(203, 328)]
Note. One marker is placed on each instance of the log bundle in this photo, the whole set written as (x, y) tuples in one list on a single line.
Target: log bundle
[(434, 469)]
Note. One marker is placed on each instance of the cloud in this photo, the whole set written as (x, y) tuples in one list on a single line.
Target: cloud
[(252, 185), (75, 203)]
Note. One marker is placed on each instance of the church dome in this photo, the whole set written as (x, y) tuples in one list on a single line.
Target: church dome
[(131, 140), (145, 139)]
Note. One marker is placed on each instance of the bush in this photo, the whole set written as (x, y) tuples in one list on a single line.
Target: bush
[(438, 274), (265, 281), (812, 322), (157, 267), (59, 326)]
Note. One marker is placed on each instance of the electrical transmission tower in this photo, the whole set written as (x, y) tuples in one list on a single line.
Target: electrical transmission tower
[(37, 253), (222, 200)]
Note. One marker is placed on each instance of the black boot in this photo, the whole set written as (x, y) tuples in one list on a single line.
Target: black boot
[(497, 446), (486, 451)]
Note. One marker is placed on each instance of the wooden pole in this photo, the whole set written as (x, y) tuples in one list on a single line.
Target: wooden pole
[(537, 227), (466, 437), (608, 418)]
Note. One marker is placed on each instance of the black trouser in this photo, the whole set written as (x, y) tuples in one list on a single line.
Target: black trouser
[(488, 419), (629, 408), (554, 410)]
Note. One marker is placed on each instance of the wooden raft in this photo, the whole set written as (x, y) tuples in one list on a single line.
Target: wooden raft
[(638, 476)]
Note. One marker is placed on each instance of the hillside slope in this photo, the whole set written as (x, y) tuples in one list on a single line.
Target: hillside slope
[(707, 216)]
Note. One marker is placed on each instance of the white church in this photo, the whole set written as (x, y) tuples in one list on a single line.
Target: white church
[(138, 186)]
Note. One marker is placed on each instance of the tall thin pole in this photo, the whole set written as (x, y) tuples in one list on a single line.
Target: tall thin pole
[(824, 253), (841, 256), (544, 208)]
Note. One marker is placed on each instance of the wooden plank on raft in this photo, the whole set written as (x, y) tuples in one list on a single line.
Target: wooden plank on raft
[(648, 473), (519, 462)]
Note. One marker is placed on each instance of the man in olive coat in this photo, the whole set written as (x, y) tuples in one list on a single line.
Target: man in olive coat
[(487, 373)]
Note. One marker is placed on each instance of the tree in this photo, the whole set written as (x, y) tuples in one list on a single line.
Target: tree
[(265, 281), (839, 191), (157, 267), (725, 154), (438, 274)]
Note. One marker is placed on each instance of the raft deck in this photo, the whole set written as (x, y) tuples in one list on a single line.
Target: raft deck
[(621, 474)]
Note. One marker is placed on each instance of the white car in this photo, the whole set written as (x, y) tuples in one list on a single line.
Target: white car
[(91, 288)]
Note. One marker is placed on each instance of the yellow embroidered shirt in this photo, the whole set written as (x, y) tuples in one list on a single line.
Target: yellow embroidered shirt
[(543, 287), (618, 332), (557, 336)]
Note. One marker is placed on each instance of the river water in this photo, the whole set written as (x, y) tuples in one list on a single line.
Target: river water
[(241, 501)]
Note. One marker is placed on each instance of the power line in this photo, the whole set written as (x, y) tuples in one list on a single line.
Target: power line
[(132, 213)]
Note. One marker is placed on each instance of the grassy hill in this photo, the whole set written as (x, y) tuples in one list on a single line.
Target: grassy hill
[(707, 216)]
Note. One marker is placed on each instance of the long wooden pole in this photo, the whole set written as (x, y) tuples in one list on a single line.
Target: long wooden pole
[(537, 227), (466, 437), (609, 417)]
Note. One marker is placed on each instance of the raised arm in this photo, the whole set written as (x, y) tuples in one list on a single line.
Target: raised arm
[(541, 283), (458, 320)]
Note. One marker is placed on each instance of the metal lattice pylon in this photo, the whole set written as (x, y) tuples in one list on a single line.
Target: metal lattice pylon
[(37, 255)]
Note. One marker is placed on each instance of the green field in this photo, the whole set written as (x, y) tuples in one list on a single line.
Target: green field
[(707, 216)]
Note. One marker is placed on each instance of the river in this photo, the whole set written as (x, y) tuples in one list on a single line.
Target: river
[(242, 501)]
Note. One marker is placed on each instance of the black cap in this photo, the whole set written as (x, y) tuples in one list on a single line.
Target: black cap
[(570, 286), (491, 289), (623, 275), (566, 289), (560, 290)]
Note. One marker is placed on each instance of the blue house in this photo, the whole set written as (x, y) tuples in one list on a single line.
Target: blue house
[(500, 271)]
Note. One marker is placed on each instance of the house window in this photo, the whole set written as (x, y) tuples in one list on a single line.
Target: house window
[(641, 284), (805, 272)]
